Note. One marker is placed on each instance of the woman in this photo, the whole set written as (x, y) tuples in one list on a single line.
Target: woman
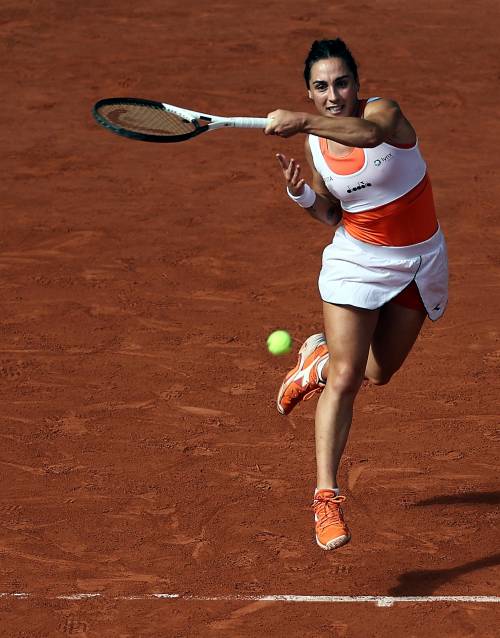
[(383, 273)]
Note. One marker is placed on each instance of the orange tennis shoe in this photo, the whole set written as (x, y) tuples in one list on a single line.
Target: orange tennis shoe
[(331, 529), (303, 381)]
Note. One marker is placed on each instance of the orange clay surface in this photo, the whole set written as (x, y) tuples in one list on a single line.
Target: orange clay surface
[(141, 451)]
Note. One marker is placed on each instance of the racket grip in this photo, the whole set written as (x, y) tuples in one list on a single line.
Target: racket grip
[(249, 122)]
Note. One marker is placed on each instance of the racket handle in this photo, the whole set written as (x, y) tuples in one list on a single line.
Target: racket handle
[(249, 122)]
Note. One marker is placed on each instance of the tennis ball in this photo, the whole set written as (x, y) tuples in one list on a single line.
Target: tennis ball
[(279, 342)]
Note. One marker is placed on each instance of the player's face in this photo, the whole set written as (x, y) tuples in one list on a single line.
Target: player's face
[(333, 88)]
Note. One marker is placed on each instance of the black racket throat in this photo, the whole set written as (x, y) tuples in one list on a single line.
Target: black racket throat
[(147, 120)]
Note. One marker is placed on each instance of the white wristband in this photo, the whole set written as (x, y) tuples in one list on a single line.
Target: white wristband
[(306, 199)]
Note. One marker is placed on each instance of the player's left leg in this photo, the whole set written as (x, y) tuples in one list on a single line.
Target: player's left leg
[(397, 330)]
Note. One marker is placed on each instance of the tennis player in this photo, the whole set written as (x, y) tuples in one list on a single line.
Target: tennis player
[(385, 270)]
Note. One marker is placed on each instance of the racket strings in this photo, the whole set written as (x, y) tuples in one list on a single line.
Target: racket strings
[(146, 119)]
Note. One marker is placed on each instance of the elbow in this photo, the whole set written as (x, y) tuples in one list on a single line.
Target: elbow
[(374, 137)]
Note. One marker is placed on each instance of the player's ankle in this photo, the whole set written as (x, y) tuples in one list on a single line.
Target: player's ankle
[(320, 488), (322, 370)]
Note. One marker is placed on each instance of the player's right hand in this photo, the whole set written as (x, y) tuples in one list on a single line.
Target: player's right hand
[(291, 173)]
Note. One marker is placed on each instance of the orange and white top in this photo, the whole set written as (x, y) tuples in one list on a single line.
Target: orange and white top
[(385, 192)]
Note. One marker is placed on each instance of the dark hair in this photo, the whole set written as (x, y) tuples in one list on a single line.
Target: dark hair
[(322, 49)]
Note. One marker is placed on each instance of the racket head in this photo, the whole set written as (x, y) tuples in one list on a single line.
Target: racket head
[(147, 120)]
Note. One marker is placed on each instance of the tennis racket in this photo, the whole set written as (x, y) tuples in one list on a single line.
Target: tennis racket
[(152, 121)]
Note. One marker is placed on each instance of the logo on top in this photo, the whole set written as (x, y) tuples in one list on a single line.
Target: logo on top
[(381, 160), (358, 187)]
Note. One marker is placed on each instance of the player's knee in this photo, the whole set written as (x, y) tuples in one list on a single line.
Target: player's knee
[(379, 378), (345, 378)]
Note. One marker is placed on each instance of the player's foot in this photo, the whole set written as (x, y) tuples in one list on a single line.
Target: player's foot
[(303, 381), (331, 529)]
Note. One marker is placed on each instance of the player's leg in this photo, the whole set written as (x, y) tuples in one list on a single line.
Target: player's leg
[(349, 333), (397, 330)]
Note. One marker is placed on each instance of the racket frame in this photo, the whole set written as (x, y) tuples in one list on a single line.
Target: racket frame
[(202, 122)]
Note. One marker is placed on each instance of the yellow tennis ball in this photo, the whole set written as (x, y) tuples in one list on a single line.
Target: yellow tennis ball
[(279, 342)]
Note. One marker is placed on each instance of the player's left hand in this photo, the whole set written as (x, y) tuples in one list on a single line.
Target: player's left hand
[(285, 123)]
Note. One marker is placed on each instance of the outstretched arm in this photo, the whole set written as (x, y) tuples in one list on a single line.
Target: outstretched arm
[(383, 121)]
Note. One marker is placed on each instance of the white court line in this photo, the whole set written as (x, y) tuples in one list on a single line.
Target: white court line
[(380, 601)]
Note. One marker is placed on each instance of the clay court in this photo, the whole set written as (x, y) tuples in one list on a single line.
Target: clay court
[(148, 485)]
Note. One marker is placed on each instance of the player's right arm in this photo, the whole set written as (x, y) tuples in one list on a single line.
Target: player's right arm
[(326, 208)]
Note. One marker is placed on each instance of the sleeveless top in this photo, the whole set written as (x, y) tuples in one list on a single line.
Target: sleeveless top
[(385, 192)]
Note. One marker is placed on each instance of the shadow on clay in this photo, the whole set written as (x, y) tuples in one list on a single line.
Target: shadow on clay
[(489, 498), (425, 582)]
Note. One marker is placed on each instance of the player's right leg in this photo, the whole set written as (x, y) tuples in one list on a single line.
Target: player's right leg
[(349, 332)]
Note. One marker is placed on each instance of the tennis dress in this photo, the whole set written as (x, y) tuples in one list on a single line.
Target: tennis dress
[(390, 237)]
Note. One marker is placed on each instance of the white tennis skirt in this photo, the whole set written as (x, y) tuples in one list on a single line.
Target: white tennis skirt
[(367, 276)]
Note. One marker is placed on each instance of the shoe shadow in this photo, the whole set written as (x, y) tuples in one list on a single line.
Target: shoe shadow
[(488, 498), (426, 581)]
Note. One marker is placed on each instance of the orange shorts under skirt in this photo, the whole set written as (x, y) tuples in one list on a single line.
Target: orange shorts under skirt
[(409, 298)]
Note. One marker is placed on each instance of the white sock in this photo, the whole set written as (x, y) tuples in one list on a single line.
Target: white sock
[(321, 365), (334, 489)]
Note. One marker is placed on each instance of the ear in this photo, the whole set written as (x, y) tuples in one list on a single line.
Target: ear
[(309, 94)]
